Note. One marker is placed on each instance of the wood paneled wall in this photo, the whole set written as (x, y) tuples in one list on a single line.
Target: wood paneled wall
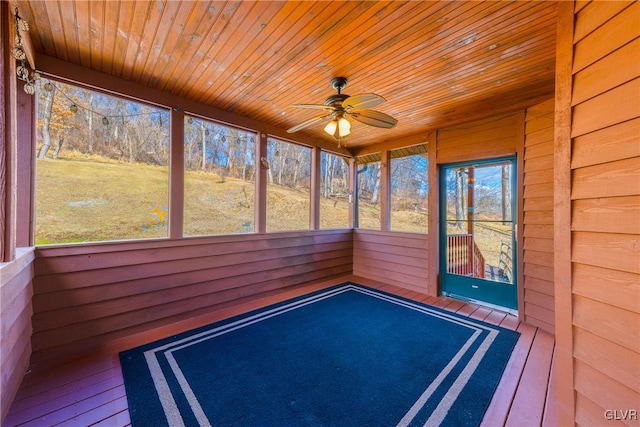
[(603, 171), (605, 193), (484, 139), (87, 296), (537, 205), (392, 257), (15, 324)]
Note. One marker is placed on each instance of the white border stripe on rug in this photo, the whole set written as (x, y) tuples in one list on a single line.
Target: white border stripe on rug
[(441, 411)]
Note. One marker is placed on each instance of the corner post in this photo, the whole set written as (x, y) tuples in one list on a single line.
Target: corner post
[(563, 364), (176, 173), (314, 212), (261, 184), (433, 205), (353, 193), (385, 190)]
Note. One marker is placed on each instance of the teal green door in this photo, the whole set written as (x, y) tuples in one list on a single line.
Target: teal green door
[(477, 236)]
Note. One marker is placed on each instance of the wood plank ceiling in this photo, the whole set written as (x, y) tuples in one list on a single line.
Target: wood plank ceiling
[(436, 63)]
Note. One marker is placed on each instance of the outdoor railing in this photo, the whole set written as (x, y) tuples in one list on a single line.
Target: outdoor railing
[(464, 257)]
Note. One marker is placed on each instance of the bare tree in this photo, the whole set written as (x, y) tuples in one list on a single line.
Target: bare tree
[(459, 198), (90, 123), (506, 199), (54, 117), (46, 122), (375, 194)]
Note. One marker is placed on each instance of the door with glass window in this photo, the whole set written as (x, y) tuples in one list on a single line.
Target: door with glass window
[(478, 233)]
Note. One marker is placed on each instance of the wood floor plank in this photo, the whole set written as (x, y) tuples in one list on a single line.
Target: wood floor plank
[(442, 302), (96, 415), (455, 305), (414, 295), (467, 309), (58, 398), (495, 317), (36, 382), (528, 404), (481, 313), (510, 322), (120, 419), (75, 409), (431, 300), (500, 405), (550, 416), (424, 298)]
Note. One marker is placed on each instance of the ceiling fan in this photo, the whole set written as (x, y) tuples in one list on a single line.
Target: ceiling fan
[(338, 107)]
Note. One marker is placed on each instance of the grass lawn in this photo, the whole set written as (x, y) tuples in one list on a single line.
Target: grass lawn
[(96, 199)]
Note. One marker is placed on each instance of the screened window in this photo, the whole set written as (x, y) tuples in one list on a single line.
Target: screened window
[(334, 191), (409, 190), (101, 168), (219, 179), (369, 195), (288, 189)]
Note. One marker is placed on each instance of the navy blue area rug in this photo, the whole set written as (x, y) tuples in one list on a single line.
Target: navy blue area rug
[(344, 356)]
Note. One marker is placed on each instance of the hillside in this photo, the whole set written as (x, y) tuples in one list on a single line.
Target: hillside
[(96, 199)]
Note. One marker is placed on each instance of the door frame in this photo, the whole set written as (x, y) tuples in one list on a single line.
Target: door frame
[(509, 298)]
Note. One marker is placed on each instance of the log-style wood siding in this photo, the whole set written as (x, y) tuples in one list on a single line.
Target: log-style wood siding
[(537, 205), (605, 193), (600, 310), (15, 324), (87, 296)]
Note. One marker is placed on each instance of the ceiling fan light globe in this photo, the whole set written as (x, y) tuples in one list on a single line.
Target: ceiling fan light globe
[(344, 127), (331, 127)]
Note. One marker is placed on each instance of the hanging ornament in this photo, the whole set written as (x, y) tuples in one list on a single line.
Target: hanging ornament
[(30, 88), (18, 53), (105, 121), (22, 72), (22, 24), (48, 86), (73, 108)]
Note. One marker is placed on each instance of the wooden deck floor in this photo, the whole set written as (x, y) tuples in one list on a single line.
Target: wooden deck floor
[(89, 391)]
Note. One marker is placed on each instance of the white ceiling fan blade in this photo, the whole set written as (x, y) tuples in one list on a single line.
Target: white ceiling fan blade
[(307, 123), (314, 106), (364, 100), (374, 118)]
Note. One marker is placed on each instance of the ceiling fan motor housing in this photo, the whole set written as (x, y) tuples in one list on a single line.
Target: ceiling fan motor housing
[(336, 100), (338, 83)]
